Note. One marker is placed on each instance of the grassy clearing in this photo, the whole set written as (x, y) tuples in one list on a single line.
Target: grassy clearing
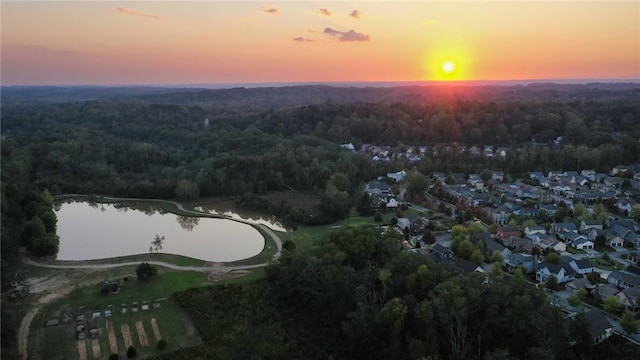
[(59, 341), (266, 255)]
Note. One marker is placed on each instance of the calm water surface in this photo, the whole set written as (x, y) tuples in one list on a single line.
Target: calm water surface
[(100, 231)]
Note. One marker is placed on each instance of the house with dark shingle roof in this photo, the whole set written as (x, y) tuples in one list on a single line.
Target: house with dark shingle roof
[(599, 326), (623, 280)]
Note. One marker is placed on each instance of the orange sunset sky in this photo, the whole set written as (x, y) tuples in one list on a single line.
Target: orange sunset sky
[(169, 42)]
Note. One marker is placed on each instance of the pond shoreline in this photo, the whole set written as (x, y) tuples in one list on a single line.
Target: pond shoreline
[(270, 250)]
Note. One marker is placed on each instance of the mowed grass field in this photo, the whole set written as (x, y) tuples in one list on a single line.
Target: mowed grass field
[(137, 328)]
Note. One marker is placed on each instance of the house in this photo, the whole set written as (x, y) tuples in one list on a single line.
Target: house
[(404, 223), (552, 244), (500, 215), (530, 230), (513, 260), (549, 209), (491, 247), (563, 227), (349, 147), (497, 176), (392, 203), (599, 326), (576, 285), (377, 188), (615, 242), (630, 298), (467, 267), (441, 252), (507, 231), (397, 176), (602, 291), (624, 206), (634, 257), (590, 224), (570, 237), (623, 280), (563, 272), (582, 244), (581, 266)]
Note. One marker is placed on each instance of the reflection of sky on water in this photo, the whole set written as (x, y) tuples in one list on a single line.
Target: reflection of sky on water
[(272, 224), (108, 230)]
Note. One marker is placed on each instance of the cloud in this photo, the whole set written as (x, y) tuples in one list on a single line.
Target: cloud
[(324, 12), (428, 22), (355, 14), (350, 35), (269, 10), (301, 39), (125, 11)]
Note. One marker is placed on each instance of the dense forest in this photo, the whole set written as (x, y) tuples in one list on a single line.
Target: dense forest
[(186, 143)]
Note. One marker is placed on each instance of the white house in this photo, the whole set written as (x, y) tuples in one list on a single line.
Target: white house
[(562, 272), (582, 244)]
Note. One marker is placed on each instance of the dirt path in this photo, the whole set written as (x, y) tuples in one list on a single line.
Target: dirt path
[(113, 342), (156, 329), (95, 346), (82, 350), (126, 335), (142, 335)]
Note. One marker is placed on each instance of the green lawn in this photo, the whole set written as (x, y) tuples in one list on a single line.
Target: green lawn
[(572, 250), (59, 341)]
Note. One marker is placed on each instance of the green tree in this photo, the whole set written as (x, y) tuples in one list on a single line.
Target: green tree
[(289, 245), (552, 283), (46, 198), (612, 305), (577, 300), (114, 357), (340, 181), (486, 174), (162, 344), (629, 323), (49, 220), (600, 241), (417, 184), (145, 271), (186, 190), (377, 217), (364, 205), (552, 258)]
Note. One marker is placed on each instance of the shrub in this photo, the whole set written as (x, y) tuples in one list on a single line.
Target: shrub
[(132, 353), (114, 357), (162, 344)]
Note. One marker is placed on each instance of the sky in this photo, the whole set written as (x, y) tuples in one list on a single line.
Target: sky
[(205, 42)]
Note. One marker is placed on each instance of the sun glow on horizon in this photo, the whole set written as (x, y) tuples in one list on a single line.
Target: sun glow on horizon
[(448, 67)]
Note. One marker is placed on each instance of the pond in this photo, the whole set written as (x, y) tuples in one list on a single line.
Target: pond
[(97, 231)]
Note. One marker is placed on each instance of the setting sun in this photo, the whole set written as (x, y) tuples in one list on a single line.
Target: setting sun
[(448, 67)]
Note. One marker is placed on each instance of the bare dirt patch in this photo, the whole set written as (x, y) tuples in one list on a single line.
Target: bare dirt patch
[(82, 350), (126, 335), (142, 335), (156, 329), (95, 346), (113, 343)]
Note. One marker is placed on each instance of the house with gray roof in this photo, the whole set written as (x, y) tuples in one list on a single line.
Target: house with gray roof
[(623, 280)]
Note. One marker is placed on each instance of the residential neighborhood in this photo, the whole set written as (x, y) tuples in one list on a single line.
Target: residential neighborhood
[(572, 232)]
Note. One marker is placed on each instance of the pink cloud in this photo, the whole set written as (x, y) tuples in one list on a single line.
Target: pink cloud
[(125, 11)]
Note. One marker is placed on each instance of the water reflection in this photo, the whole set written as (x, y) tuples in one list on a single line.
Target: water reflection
[(247, 216), (110, 230), (188, 222)]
